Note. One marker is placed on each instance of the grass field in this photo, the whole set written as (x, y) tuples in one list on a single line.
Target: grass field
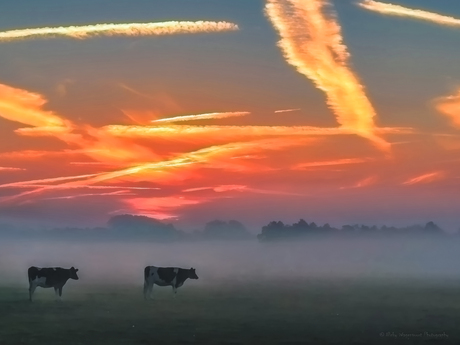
[(290, 312)]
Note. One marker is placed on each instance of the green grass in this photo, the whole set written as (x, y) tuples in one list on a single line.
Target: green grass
[(292, 312)]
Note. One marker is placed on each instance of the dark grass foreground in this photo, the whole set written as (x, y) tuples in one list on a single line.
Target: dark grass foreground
[(285, 312)]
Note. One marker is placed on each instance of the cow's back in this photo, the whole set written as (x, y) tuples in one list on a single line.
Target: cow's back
[(50, 275)]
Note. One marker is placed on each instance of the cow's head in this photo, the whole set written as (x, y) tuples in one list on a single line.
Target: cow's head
[(73, 273), (192, 274)]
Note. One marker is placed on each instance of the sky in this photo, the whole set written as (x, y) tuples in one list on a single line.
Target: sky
[(344, 111)]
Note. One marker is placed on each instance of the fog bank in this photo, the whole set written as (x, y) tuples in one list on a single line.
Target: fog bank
[(119, 263)]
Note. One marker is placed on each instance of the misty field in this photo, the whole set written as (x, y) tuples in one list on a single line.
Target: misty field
[(401, 291), (289, 312)]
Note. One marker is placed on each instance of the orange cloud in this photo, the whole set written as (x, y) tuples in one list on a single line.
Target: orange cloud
[(130, 29), (26, 108), (426, 178), (161, 207), (450, 107), (401, 11), (203, 157), (312, 42)]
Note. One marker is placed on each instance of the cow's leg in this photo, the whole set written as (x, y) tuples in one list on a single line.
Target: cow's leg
[(32, 288), (150, 290), (174, 290), (60, 293), (148, 286), (56, 293)]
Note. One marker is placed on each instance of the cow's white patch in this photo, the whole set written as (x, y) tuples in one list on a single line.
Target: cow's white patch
[(153, 278), (39, 282)]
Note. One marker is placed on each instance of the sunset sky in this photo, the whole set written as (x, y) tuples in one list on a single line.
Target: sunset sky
[(343, 111)]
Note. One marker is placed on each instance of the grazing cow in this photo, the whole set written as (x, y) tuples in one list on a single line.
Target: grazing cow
[(165, 276), (55, 277)]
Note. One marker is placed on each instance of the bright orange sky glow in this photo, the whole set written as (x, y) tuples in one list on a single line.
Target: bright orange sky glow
[(287, 113)]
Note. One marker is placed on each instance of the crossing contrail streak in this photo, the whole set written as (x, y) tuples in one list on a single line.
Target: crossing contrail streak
[(397, 10), (311, 41), (130, 29)]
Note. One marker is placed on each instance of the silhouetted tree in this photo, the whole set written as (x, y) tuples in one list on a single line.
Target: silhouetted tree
[(277, 230), (233, 230), (141, 226)]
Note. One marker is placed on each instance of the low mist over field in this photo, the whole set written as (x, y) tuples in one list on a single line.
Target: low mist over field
[(122, 263), (289, 284)]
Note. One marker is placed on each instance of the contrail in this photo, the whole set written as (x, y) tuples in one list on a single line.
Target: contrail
[(401, 11), (203, 116), (47, 180), (311, 41), (286, 110), (28, 186), (10, 169), (130, 29), (329, 163), (236, 131)]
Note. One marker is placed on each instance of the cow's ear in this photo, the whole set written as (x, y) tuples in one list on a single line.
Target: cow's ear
[(76, 270), (72, 268)]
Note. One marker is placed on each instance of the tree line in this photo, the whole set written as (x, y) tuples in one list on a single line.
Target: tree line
[(135, 227)]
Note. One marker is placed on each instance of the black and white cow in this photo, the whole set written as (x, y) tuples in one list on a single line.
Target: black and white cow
[(166, 276), (55, 277)]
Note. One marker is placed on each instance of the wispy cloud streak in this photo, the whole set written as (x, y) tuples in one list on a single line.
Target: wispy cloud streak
[(202, 156), (218, 189), (286, 110), (311, 41), (450, 107), (239, 188), (117, 193), (397, 10), (129, 29), (363, 183), (203, 116), (425, 178)]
